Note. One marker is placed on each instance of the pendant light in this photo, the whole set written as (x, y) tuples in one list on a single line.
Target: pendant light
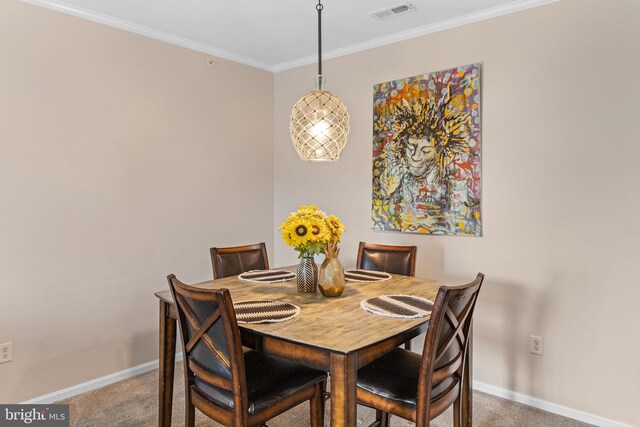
[(319, 122)]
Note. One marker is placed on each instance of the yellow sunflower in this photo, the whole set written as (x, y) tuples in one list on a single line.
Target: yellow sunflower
[(286, 236), (307, 209), (335, 226), (299, 232), (319, 230), (310, 231)]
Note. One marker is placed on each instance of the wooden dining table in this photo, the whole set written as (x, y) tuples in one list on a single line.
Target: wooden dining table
[(331, 334)]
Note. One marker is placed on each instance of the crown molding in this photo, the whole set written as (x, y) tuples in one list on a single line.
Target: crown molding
[(471, 18), (149, 32)]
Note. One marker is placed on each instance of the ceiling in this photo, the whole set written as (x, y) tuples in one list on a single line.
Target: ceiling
[(280, 34)]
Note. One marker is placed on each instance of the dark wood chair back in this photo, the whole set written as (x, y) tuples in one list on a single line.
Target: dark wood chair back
[(226, 384), (211, 344), (391, 259), (235, 260), (445, 350)]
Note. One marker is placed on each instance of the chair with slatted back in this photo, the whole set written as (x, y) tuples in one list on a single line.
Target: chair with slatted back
[(235, 260), (420, 387), (233, 388), (390, 259)]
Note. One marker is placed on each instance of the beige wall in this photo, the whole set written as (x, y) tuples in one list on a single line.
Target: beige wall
[(560, 198), (111, 143), (122, 159)]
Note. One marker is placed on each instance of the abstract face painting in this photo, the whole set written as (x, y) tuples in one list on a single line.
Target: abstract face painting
[(426, 153)]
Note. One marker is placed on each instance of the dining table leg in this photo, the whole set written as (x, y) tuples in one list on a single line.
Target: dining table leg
[(467, 383), (343, 370), (167, 360)]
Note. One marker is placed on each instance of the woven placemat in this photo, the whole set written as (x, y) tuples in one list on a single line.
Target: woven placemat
[(358, 275), (267, 276), (265, 311), (402, 306)]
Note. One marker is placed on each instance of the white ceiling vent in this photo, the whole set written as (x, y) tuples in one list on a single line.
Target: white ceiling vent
[(390, 12)]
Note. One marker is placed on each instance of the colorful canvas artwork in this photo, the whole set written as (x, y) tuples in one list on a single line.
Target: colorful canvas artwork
[(426, 153)]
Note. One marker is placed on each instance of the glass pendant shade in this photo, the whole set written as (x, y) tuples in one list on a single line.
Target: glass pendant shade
[(319, 126), (319, 122)]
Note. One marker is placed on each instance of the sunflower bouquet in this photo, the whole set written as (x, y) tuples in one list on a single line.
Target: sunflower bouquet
[(310, 231)]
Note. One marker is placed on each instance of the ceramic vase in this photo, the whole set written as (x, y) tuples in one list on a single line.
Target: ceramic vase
[(331, 280), (307, 275)]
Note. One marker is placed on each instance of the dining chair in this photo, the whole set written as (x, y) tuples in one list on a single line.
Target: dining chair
[(230, 387), (390, 259), (235, 260), (420, 387)]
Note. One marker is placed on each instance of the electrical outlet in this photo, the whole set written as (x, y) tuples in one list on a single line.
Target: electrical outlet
[(6, 352), (535, 345)]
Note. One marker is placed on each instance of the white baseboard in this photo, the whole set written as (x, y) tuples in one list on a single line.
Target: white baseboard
[(546, 406), (97, 383), (477, 385)]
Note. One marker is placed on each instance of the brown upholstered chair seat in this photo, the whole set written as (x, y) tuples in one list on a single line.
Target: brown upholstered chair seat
[(230, 387), (269, 380), (418, 387), (395, 377)]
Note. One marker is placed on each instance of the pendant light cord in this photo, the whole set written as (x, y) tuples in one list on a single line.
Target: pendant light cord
[(319, 8)]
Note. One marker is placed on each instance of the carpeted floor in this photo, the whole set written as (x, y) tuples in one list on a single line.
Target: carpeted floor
[(133, 402)]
